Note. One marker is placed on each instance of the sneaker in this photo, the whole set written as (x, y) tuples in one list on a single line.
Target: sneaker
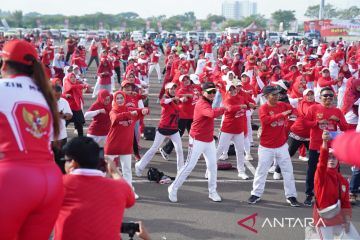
[(248, 157), (305, 159), (138, 172), (136, 196), (164, 154), (272, 169), (293, 202), (206, 174), (308, 201), (253, 199), (223, 157), (243, 175), (172, 195), (277, 176), (215, 197), (353, 198)]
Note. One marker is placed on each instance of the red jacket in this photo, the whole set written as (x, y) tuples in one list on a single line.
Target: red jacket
[(105, 73), (326, 187), (273, 123), (187, 108), (298, 127), (319, 112), (202, 128), (81, 206)]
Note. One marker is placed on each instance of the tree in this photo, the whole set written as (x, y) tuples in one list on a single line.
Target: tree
[(190, 16), (351, 13), (129, 15), (215, 18), (284, 16), (258, 19), (313, 11), (17, 17)]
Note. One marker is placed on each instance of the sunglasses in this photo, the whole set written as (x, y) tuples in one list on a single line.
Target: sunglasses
[(211, 91), (327, 95)]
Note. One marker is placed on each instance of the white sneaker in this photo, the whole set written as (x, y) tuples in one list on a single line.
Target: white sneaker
[(172, 195), (206, 174), (215, 197), (136, 196), (138, 172), (277, 176), (243, 175), (272, 169), (305, 159), (223, 157), (248, 157), (164, 154)]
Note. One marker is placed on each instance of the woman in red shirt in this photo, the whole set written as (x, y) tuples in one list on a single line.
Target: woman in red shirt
[(99, 113), (94, 55), (119, 140), (331, 187), (168, 128)]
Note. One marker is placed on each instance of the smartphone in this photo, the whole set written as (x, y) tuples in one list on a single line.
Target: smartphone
[(333, 134)]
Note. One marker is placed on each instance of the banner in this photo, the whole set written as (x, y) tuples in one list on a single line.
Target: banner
[(123, 26), (159, 26), (101, 26), (333, 27), (66, 23), (38, 23), (198, 26), (148, 23)]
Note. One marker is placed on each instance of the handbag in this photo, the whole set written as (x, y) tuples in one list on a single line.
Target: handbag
[(331, 211)]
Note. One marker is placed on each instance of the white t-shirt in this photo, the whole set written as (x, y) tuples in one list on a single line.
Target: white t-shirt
[(64, 107)]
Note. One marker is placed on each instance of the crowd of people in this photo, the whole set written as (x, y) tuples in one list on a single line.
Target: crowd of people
[(304, 95)]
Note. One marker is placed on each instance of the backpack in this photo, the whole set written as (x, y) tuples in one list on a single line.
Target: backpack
[(154, 174)]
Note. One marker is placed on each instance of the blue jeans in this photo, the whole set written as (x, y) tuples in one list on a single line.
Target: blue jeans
[(355, 180)]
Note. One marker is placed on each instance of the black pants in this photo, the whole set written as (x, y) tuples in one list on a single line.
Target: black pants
[(68, 55), (161, 48), (92, 58), (118, 73), (293, 147), (184, 124), (58, 153), (135, 145), (78, 120), (310, 174)]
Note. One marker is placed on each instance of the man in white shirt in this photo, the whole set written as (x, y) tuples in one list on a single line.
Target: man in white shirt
[(65, 113)]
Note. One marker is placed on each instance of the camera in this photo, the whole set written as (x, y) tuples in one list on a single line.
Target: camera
[(130, 228)]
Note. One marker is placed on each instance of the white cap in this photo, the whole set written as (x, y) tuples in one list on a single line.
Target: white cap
[(300, 63), (173, 48), (325, 69), (182, 56), (194, 78), (170, 85), (246, 74), (306, 91), (223, 67), (281, 84), (182, 77), (75, 66)]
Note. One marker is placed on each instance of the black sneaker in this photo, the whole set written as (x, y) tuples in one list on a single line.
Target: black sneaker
[(253, 199), (308, 201), (293, 202)]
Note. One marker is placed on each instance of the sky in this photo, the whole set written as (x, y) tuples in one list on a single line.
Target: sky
[(148, 8)]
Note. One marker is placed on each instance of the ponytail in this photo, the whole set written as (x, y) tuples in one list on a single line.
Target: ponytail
[(37, 73)]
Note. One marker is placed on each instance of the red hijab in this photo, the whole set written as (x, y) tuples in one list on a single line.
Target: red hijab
[(294, 93), (99, 103), (351, 94), (116, 107)]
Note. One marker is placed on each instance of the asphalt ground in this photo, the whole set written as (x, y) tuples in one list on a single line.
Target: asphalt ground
[(197, 217)]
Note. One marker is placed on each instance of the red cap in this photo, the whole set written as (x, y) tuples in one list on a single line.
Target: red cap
[(17, 50), (126, 82)]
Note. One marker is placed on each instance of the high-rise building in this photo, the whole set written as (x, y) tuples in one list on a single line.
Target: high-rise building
[(238, 9)]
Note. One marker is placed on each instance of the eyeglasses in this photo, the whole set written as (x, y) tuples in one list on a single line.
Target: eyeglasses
[(66, 159), (211, 91), (327, 95)]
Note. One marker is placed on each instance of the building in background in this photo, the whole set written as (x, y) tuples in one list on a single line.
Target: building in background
[(238, 9)]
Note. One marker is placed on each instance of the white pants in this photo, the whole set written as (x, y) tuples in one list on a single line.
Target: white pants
[(159, 139), (238, 140), (331, 232), (100, 140), (209, 55), (249, 138), (144, 78), (125, 162), (196, 148), (96, 88), (155, 66), (266, 158)]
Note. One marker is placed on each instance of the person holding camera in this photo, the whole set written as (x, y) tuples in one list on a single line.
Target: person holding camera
[(93, 206), (332, 210)]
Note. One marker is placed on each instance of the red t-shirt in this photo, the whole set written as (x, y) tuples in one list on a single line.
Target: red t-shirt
[(169, 115), (93, 208), (94, 51), (274, 131), (202, 128), (187, 107), (208, 47), (319, 112)]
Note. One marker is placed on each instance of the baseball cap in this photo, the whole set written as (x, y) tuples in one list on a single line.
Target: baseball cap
[(208, 86), (170, 85), (270, 90), (245, 74), (306, 91), (324, 69), (182, 56), (182, 77), (124, 83), (194, 78), (223, 67), (228, 86), (19, 51)]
